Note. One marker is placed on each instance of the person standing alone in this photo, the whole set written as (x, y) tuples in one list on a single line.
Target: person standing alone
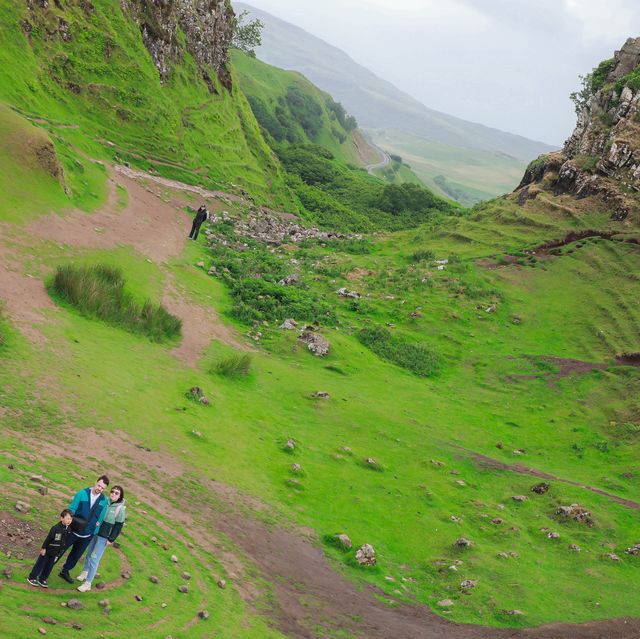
[(89, 507), (201, 215)]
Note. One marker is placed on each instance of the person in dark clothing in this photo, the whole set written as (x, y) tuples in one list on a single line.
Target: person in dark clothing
[(89, 507), (52, 547), (201, 215)]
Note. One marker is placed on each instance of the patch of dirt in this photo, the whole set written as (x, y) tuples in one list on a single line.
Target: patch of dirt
[(18, 536), (628, 359), (567, 366), (522, 469), (358, 273)]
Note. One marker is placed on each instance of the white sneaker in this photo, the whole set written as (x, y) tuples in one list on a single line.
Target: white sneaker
[(85, 587), (82, 576)]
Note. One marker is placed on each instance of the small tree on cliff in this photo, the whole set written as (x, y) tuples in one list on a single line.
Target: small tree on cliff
[(247, 36)]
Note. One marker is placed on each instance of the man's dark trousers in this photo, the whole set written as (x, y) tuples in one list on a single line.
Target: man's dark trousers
[(78, 545), (43, 567), (195, 228)]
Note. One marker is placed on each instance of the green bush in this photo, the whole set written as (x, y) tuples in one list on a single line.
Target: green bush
[(421, 255), (235, 365), (98, 291), (416, 358)]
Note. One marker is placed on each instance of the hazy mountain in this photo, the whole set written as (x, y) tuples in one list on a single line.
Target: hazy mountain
[(375, 102)]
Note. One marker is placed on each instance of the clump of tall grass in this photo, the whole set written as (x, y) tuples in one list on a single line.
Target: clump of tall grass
[(422, 255), (416, 358), (98, 291), (235, 365)]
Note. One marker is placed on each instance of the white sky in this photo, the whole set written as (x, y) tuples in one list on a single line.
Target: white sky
[(510, 64)]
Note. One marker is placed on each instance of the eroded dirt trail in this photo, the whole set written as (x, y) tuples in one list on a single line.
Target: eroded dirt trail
[(151, 225)]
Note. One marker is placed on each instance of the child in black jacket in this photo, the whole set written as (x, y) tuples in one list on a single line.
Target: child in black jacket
[(52, 548)]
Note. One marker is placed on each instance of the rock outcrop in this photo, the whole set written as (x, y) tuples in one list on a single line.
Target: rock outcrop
[(207, 26), (602, 155)]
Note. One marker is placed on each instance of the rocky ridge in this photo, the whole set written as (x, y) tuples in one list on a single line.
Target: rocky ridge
[(602, 156)]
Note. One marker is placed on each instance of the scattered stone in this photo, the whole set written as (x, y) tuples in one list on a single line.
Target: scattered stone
[(574, 547), (203, 614), (553, 535), (22, 507), (633, 550), (137, 597), (370, 461), (296, 468), (186, 576), (343, 540), (461, 542), (50, 620), (496, 521), (389, 578), (289, 325), (212, 271), (174, 559), (153, 579), (103, 603), (490, 309), (541, 488), (125, 574), (577, 513), (10, 466), (366, 555), (321, 395), (435, 462), (163, 605), (77, 626), (183, 588), (518, 451), (200, 264), (461, 482), (7, 573), (43, 490), (445, 603), (37, 478), (519, 498), (42, 631), (613, 556), (75, 604), (222, 584), (454, 518), (508, 555), (315, 342), (100, 585), (500, 445), (345, 293), (290, 445), (515, 613), (289, 280), (468, 584)]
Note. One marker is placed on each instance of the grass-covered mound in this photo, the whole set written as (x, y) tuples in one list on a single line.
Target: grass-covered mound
[(98, 291)]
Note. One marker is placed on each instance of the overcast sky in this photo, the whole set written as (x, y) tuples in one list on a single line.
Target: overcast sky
[(510, 64)]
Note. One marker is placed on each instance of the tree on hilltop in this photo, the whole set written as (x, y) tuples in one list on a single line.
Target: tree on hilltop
[(247, 37)]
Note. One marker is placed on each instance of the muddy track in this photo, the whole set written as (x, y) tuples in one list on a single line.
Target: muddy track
[(521, 469)]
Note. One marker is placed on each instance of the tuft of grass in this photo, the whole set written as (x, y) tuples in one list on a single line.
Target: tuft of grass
[(416, 358), (98, 291), (235, 365), (422, 255)]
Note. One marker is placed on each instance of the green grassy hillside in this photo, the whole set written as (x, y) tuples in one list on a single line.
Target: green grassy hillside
[(98, 94), (473, 354)]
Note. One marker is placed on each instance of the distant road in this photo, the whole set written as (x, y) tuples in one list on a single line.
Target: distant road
[(378, 165)]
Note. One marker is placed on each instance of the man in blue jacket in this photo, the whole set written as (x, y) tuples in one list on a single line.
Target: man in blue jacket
[(89, 507)]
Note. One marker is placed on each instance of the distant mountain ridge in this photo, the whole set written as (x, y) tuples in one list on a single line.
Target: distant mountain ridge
[(375, 102)]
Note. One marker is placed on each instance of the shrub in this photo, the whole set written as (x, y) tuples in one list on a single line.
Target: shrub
[(98, 291), (421, 255), (235, 365), (416, 358)]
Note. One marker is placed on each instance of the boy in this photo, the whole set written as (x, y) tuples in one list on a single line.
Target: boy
[(52, 548)]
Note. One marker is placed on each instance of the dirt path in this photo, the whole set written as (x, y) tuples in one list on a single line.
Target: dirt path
[(309, 592), (153, 227), (526, 470)]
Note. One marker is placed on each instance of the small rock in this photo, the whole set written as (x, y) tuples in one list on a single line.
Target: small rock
[(519, 498), (163, 605), (613, 556), (154, 540), (77, 626), (461, 482), (500, 445), (183, 588), (366, 555), (541, 488), (103, 603), (7, 573), (22, 507), (633, 550), (222, 584), (462, 543), (496, 521), (289, 325), (50, 620), (137, 597), (435, 462), (515, 613), (186, 576), (290, 445), (370, 461), (43, 490), (42, 631), (37, 478), (468, 584), (75, 604), (203, 614), (321, 395), (343, 540), (454, 518), (212, 271), (153, 579), (100, 585), (553, 535), (574, 547), (125, 574), (445, 603), (200, 264), (174, 559), (296, 468)]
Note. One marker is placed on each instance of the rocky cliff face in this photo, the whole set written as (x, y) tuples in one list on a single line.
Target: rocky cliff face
[(207, 26), (602, 156)]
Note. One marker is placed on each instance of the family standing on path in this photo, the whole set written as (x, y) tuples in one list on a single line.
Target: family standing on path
[(91, 523)]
